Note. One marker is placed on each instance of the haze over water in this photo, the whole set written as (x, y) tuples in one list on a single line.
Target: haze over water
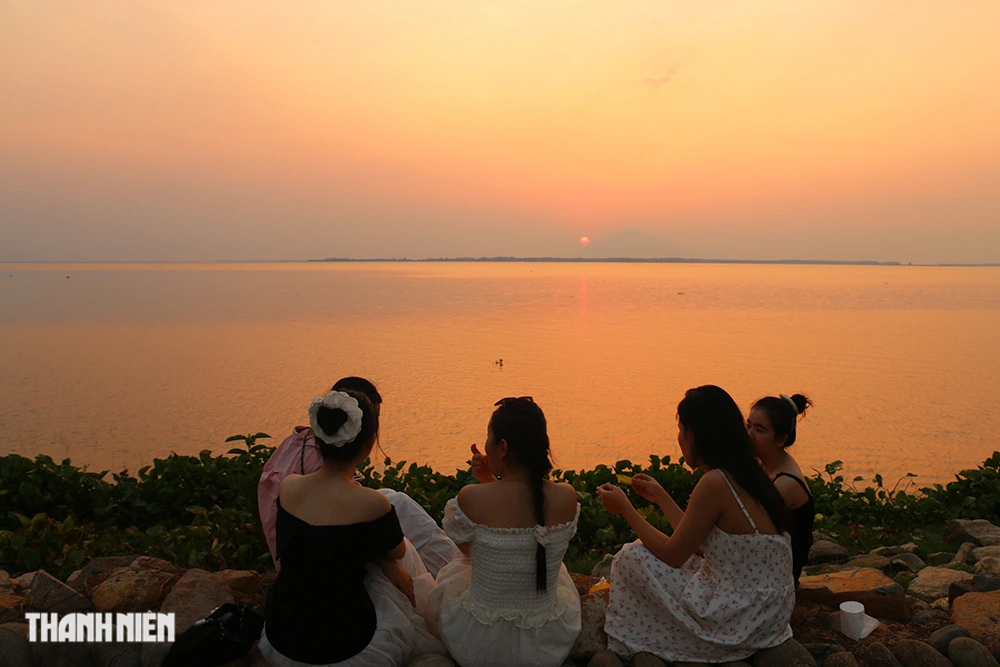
[(113, 364)]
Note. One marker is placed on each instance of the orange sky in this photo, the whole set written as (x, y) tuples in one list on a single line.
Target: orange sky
[(137, 130)]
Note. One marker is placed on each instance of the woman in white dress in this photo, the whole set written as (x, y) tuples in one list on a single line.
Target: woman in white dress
[(737, 596), (509, 599)]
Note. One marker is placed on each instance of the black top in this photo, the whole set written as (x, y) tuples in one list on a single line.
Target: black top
[(802, 528), (318, 610)]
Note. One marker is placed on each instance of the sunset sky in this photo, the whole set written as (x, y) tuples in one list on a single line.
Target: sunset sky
[(194, 130)]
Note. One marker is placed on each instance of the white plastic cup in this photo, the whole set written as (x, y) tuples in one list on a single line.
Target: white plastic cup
[(852, 619)]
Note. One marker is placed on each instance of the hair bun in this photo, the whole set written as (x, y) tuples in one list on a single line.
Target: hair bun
[(331, 419), (801, 402)]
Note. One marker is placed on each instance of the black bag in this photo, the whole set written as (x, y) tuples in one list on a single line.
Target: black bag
[(224, 635)]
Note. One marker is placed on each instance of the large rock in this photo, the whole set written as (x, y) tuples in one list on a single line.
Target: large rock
[(941, 638), (913, 653), (940, 558), (789, 654), (932, 583), (241, 582), (990, 565), (906, 562), (826, 551), (14, 646), (967, 652), (95, 571), (881, 596), (22, 584), (843, 659), (48, 594), (979, 531), (6, 587), (12, 608), (193, 597), (965, 552), (870, 560), (877, 655), (603, 569), (979, 613), (980, 553), (129, 590), (908, 548), (984, 583), (592, 637)]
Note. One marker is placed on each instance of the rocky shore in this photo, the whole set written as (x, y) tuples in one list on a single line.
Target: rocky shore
[(935, 610)]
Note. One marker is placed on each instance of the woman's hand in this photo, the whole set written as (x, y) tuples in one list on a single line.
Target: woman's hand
[(649, 488), (399, 577), (614, 499), (480, 467)]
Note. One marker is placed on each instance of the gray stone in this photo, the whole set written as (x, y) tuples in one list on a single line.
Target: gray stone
[(24, 582), (965, 552), (605, 659), (877, 655), (116, 655), (827, 552), (967, 652), (908, 548), (990, 565), (644, 659), (603, 569), (940, 558), (48, 594), (789, 654), (923, 616), (941, 637), (984, 583), (958, 589), (128, 590), (843, 659), (95, 571), (980, 531), (913, 653), (932, 583), (823, 651), (14, 646), (431, 660), (980, 553), (819, 537), (592, 637), (906, 562)]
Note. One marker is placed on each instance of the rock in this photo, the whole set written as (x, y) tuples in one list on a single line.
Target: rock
[(691, 664), (69, 654), (979, 531), (941, 638), (23, 583), (922, 616), (193, 597), (840, 660), (604, 659), (940, 558), (881, 596), (980, 553), (869, 560), (592, 638), (877, 655), (14, 646), (822, 537), (603, 569), (6, 587), (644, 659), (990, 565), (820, 652), (965, 552), (241, 582), (583, 582), (932, 582), (827, 552), (967, 652), (984, 583), (94, 572), (789, 654), (941, 604), (908, 548), (906, 562), (833, 621), (116, 655), (916, 604), (12, 608), (129, 590), (48, 594), (431, 660), (979, 613), (960, 588), (912, 653)]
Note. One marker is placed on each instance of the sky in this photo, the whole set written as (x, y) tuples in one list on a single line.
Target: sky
[(141, 130)]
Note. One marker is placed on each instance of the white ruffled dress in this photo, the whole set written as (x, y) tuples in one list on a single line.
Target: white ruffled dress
[(485, 607)]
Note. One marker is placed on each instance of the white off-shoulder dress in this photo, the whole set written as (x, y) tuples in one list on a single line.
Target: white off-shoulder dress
[(485, 607), (722, 607)]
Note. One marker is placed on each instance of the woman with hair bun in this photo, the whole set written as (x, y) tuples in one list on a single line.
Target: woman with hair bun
[(771, 425), (509, 600), (330, 605), (737, 597)]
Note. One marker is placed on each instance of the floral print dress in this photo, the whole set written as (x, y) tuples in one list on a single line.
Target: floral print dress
[(722, 607)]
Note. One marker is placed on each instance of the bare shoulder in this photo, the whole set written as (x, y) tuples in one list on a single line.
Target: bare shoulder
[(472, 499), (562, 500), (291, 486), (372, 503), (712, 481)]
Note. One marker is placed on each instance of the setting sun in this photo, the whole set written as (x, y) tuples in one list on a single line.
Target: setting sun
[(584, 240)]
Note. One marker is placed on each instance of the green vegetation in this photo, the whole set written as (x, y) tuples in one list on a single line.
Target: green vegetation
[(201, 511)]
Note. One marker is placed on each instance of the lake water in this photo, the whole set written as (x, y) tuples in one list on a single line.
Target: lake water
[(112, 365)]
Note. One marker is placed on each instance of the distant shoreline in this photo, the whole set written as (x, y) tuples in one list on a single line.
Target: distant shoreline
[(524, 260)]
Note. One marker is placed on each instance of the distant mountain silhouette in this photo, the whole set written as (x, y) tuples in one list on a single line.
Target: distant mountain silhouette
[(630, 242)]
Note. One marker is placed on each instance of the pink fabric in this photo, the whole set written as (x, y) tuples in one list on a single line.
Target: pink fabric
[(297, 454)]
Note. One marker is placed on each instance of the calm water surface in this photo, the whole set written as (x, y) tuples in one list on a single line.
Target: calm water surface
[(112, 365)]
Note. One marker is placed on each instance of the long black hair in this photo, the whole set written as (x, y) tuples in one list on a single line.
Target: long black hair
[(721, 441), (521, 423), (783, 413)]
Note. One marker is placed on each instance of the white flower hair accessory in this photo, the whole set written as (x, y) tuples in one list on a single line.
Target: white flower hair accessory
[(337, 400)]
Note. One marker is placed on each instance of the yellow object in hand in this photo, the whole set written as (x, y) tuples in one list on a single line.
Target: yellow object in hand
[(624, 479)]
